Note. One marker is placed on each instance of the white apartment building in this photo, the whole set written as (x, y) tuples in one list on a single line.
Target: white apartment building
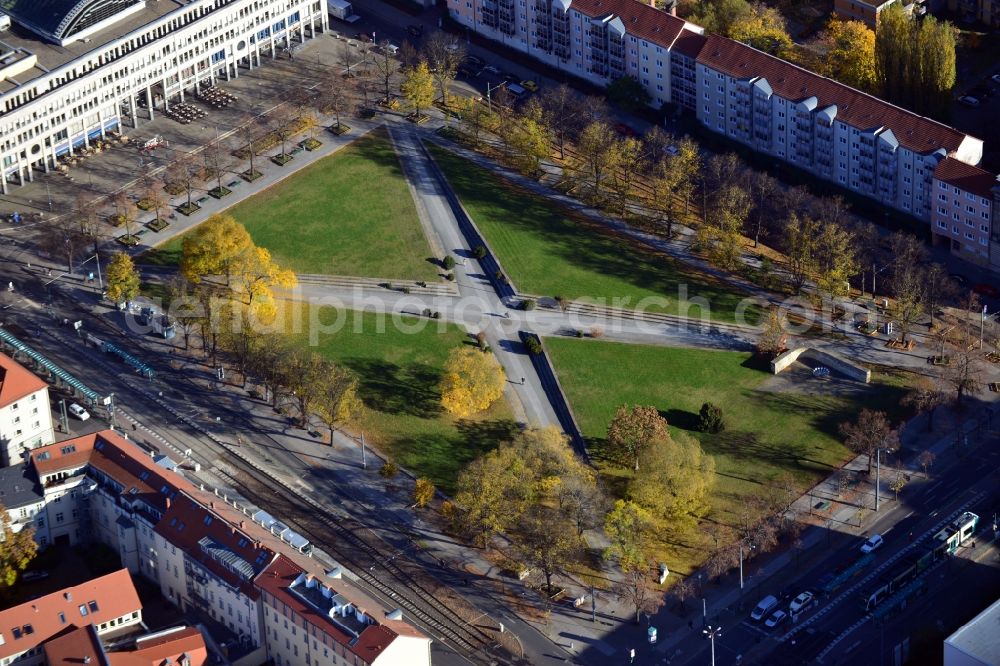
[(95, 65), (205, 554), (25, 415), (965, 200), (808, 121)]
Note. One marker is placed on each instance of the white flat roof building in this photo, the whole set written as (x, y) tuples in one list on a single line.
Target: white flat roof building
[(977, 643), (72, 70)]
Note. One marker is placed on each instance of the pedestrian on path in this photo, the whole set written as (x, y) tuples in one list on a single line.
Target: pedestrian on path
[(522, 381)]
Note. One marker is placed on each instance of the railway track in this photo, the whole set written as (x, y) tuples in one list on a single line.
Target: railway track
[(355, 545)]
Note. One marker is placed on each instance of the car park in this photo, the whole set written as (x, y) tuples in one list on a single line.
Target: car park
[(776, 619), (529, 85), (968, 100), (801, 602), (79, 412), (765, 606), (873, 543)]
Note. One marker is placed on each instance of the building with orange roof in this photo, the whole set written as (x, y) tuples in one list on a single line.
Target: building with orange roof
[(25, 414), (966, 201), (107, 604), (813, 123), (180, 646), (208, 555)]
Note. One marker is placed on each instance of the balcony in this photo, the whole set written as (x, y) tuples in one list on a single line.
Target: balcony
[(560, 25)]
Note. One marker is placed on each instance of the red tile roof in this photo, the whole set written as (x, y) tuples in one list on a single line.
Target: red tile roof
[(163, 648), (966, 177), (101, 599), (689, 43), (64, 455), (188, 524), (919, 134), (75, 647), (640, 19), (372, 640), (16, 381)]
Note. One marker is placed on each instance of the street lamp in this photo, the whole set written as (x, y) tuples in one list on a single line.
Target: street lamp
[(712, 633), (741, 562)]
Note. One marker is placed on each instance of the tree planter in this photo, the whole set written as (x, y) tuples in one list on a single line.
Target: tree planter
[(128, 241), (157, 225), (367, 114), (250, 176), (188, 209), (418, 119), (173, 189), (896, 344), (116, 220), (312, 144), (144, 204), (940, 360), (339, 130), (282, 159), (219, 192)]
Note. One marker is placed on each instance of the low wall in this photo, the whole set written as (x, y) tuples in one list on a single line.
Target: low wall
[(830, 360)]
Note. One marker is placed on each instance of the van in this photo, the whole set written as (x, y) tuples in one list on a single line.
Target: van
[(4, 22), (765, 606), (391, 49)]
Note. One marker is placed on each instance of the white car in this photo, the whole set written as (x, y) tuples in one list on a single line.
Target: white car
[(996, 78), (765, 606), (874, 542), (79, 412), (777, 617), (801, 602)]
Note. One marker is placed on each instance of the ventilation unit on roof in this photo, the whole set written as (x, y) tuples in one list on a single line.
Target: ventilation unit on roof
[(394, 615)]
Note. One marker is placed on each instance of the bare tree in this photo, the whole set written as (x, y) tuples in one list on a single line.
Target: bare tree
[(218, 161), (636, 588), (938, 288), (189, 169), (763, 190), (63, 238), (925, 460), (336, 97), (925, 398), (561, 106), (870, 433), (249, 130), (444, 53), (125, 210), (348, 58), (282, 123), (963, 374), (385, 66), (907, 281)]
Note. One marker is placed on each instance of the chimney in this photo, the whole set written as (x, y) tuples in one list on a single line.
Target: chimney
[(243, 524)]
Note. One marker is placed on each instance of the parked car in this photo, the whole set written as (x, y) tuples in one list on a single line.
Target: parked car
[(529, 85), (625, 130), (968, 100), (765, 606), (960, 279), (491, 69), (776, 619), (31, 576), (79, 412), (516, 90), (873, 543), (474, 61), (987, 290), (801, 602), (510, 78), (415, 30), (995, 78)]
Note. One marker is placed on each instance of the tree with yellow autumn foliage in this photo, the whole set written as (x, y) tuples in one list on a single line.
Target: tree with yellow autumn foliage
[(473, 380)]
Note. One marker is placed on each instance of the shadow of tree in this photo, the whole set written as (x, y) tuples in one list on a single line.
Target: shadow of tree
[(680, 418), (388, 388)]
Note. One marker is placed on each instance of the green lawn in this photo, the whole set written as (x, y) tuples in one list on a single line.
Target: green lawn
[(348, 214), (399, 373), (548, 251), (768, 433)]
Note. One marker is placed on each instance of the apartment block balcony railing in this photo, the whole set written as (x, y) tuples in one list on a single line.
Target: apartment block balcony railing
[(541, 6), (599, 56), (561, 52), (560, 25), (561, 40)]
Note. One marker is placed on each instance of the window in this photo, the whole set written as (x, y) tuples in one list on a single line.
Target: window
[(92, 605), (83, 610), (68, 449), (62, 617), (14, 406), (59, 517)]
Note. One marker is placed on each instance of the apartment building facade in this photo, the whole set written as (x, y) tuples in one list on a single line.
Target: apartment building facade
[(206, 554), (25, 414), (965, 202), (146, 55), (986, 12), (813, 123)]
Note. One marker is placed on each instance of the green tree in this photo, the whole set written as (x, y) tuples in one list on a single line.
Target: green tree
[(907, 281), (628, 94), (721, 236), (772, 340), (493, 492), (801, 234), (17, 549), (628, 527), (631, 163), (122, 279), (835, 260), (915, 61), (634, 429), (561, 106), (418, 87), (303, 371), (530, 138), (674, 480), (851, 55)]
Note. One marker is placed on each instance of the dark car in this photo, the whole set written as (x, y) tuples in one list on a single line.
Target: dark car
[(960, 279), (415, 30), (510, 78), (467, 70), (987, 290), (473, 61), (365, 36), (625, 130)]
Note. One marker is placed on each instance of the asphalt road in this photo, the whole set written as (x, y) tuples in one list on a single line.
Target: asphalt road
[(966, 484)]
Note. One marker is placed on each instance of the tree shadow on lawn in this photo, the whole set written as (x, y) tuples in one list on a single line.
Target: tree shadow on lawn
[(681, 419), (388, 388), (441, 458), (586, 244)]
